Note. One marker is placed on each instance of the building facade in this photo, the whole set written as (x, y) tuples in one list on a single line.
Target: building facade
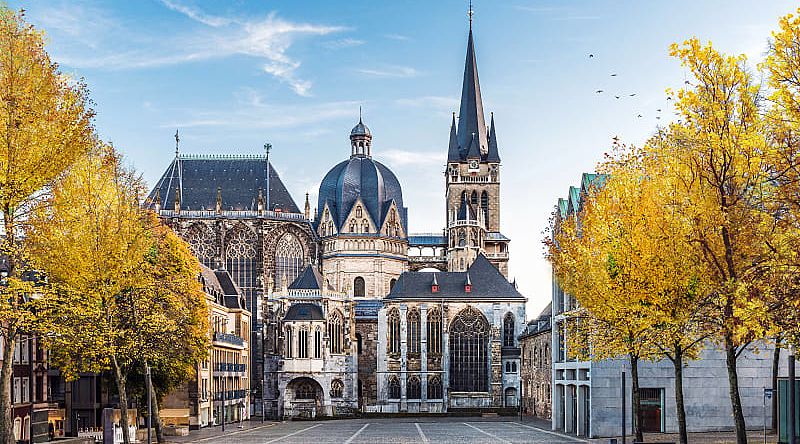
[(221, 389), (536, 366)]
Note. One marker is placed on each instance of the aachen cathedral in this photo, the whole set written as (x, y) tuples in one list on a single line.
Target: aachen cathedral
[(350, 311)]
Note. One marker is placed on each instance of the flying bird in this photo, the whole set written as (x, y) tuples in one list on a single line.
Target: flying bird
[(591, 55), (687, 82), (639, 115), (631, 95), (613, 75), (616, 97), (669, 98), (599, 91), (659, 110)]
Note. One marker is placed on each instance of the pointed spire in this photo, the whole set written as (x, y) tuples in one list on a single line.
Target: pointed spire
[(470, 116), (492, 155), (307, 208), (219, 200), (260, 201), (453, 153), (474, 150)]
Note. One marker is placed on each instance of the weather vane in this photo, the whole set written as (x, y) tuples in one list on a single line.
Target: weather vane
[(470, 13), (177, 141)]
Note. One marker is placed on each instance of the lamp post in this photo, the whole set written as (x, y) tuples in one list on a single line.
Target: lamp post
[(792, 406)]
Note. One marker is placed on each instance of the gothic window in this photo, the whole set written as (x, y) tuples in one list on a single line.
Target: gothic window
[(394, 331), (462, 238), (473, 200), (485, 206), (359, 287), (352, 227), (302, 342), (508, 367), (464, 196), (508, 330), (434, 387), (366, 227), (288, 259), (513, 367), (413, 388), (201, 243), (394, 387), (337, 387), (240, 255), (358, 212), (317, 342), (336, 332), (305, 390), (474, 238), (469, 346), (287, 340), (412, 329), (434, 331)]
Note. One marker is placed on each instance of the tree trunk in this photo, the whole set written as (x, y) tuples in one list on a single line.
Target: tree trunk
[(6, 369), (679, 405), (776, 358), (156, 421), (733, 382), (636, 399), (123, 400)]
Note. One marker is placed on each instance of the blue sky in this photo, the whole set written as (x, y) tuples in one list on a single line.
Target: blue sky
[(234, 75)]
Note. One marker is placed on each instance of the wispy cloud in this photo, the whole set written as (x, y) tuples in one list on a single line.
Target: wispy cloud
[(343, 43), (400, 37), (400, 158), (436, 102), (390, 71), (268, 39)]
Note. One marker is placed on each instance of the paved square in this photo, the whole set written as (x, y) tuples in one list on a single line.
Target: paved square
[(399, 430)]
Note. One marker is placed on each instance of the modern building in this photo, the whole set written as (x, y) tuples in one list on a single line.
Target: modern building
[(221, 389), (536, 366), (587, 395)]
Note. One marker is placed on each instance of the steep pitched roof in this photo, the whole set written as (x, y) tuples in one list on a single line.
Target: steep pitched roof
[(239, 178), (309, 279), (304, 311), (470, 117), (487, 283), (493, 155)]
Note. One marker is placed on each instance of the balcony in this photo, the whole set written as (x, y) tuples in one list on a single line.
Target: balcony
[(228, 339), (230, 367), (503, 255)]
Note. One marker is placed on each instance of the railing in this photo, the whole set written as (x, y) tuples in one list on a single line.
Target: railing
[(206, 214), (503, 255), (472, 179), (231, 367), (230, 395), (228, 338), (427, 258), (458, 223)]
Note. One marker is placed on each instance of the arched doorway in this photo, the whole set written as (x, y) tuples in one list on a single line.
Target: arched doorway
[(303, 398), (511, 397)]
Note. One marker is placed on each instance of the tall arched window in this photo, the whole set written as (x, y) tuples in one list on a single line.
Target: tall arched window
[(359, 344), (434, 387), (302, 342), (288, 260), (434, 331), (359, 287), (508, 330), (391, 284), (337, 388), (469, 347), (201, 244), (394, 331), (317, 342), (413, 388), (485, 206), (287, 341), (394, 387), (240, 259), (335, 332), (473, 200), (412, 330)]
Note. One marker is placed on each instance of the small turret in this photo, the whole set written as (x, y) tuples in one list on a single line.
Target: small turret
[(219, 200), (177, 200), (307, 209), (360, 139)]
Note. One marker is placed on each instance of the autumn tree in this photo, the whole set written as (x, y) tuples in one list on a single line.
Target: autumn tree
[(45, 126), (141, 302)]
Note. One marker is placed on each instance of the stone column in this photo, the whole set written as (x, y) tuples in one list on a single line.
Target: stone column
[(403, 357), (445, 358), (496, 357), (579, 429), (423, 356), (569, 418)]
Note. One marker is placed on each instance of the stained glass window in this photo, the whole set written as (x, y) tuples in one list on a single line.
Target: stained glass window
[(240, 255), (413, 388), (469, 351), (434, 387), (412, 329), (335, 332), (508, 330), (394, 331), (288, 260), (394, 387), (202, 245), (434, 331)]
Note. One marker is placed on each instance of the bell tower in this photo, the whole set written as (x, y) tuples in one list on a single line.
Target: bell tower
[(472, 179)]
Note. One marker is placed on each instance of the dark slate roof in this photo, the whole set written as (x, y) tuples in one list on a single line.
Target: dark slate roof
[(433, 240), (470, 116), (540, 324), (219, 284), (496, 235), (304, 311), (360, 129), (238, 177), (365, 178), (368, 308), (487, 283), (309, 279)]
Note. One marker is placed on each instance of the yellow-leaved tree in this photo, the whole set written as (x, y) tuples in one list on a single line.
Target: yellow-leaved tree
[(140, 300), (45, 126)]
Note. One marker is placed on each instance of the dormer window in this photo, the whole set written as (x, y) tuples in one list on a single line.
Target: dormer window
[(358, 211)]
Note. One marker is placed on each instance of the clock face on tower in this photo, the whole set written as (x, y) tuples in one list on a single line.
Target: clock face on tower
[(473, 165)]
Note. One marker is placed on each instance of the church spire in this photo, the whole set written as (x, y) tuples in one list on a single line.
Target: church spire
[(492, 155), (470, 119), (453, 154)]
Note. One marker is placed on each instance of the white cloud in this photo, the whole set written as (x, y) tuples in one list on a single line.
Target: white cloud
[(347, 42), (399, 37), (268, 38), (401, 158), (390, 71)]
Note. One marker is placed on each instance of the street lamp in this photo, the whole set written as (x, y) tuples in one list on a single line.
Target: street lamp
[(792, 406)]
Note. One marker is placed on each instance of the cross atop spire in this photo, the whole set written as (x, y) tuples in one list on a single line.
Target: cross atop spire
[(470, 13)]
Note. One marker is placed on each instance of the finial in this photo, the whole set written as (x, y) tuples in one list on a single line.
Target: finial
[(470, 13), (267, 148), (359, 114), (177, 141)]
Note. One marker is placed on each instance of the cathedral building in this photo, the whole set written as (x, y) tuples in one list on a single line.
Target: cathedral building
[(347, 314)]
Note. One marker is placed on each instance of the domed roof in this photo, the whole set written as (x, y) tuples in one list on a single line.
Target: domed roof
[(360, 129), (360, 177)]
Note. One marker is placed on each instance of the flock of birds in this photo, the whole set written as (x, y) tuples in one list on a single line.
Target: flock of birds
[(619, 96)]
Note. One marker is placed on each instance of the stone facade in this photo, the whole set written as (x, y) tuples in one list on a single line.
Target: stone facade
[(536, 370), (367, 343)]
